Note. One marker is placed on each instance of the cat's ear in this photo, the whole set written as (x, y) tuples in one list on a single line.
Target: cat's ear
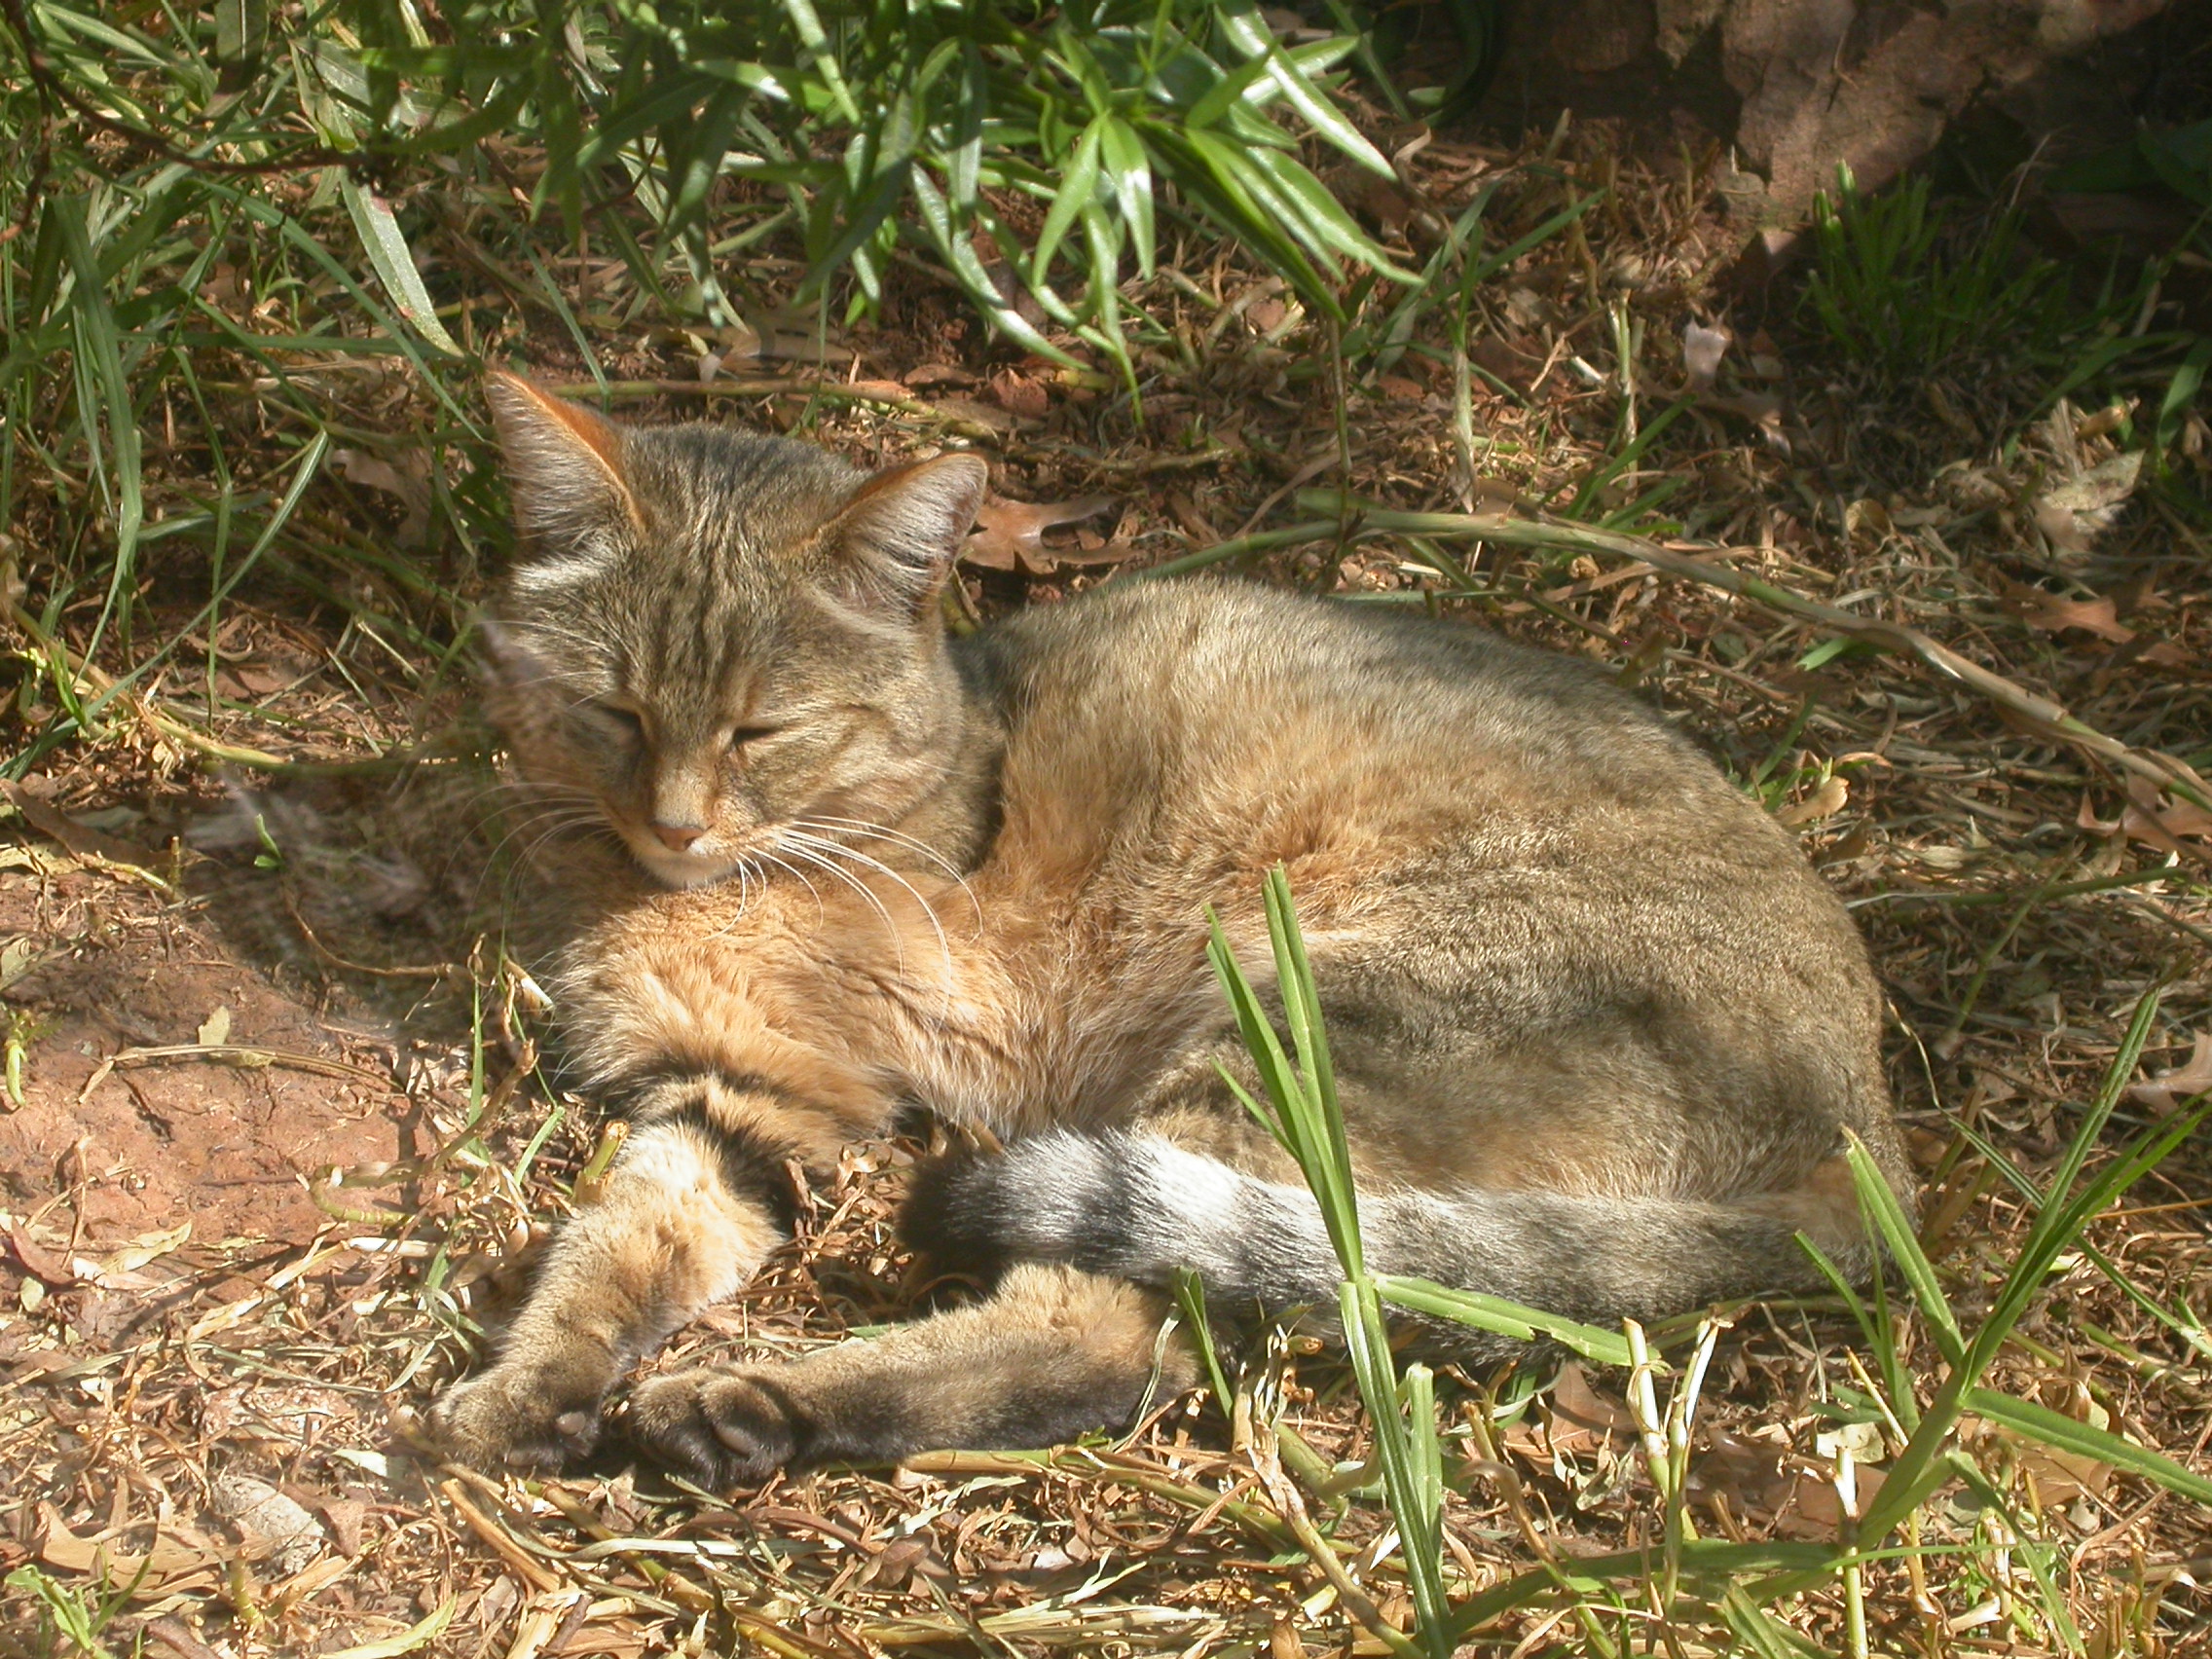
[(504, 657), (564, 463), (903, 530)]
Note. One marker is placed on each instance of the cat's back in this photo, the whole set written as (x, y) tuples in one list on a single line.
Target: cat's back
[(1216, 686)]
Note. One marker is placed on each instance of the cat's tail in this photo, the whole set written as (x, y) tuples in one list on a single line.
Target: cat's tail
[(1137, 1208)]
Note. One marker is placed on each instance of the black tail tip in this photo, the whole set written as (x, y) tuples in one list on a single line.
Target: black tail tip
[(954, 1217)]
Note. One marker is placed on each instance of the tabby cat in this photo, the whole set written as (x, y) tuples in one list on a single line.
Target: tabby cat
[(1598, 1029)]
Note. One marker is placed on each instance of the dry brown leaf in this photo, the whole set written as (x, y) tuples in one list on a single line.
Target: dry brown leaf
[(261, 679), (2054, 615), (1830, 798), (2072, 513), (80, 839), (168, 1566), (2176, 818), (2164, 1094), (1750, 1476), (982, 414), (1762, 409), (2156, 824), (1582, 1419), (1702, 349), (1811, 1508), (2098, 617), (1010, 536), (44, 1265), (2059, 1477), (276, 1526), (924, 375)]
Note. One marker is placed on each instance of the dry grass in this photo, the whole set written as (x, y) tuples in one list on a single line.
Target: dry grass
[(2020, 893)]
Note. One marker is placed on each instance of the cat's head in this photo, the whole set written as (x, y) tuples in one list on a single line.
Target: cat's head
[(717, 639)]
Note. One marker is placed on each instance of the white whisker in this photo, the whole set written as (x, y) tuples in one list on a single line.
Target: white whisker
[(821, 909), (835, 827), (945, 948), (890, 925)]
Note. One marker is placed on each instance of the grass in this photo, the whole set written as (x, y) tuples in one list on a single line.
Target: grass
[(1705, 1595), (248, 511)]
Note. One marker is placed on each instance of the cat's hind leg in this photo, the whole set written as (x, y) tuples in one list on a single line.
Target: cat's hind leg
[(1051, 1353)]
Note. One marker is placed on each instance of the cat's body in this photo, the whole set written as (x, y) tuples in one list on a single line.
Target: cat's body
[(1598, 1029)]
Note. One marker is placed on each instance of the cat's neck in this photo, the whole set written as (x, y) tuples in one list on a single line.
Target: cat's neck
[(959, 816)]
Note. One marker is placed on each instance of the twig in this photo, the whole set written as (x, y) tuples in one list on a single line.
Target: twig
[(518, 1561), (1291, 1505), (2005, 896), (246, 1057)]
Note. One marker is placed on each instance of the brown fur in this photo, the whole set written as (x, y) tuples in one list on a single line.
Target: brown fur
[(1598, 1029)]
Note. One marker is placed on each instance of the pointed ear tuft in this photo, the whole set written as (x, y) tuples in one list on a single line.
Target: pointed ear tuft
[(905, 527), (564, 463)]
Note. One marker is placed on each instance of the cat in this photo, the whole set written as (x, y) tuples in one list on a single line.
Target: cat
[(1600, 1030)]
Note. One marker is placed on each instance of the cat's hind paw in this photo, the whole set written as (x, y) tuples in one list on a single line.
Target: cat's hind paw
[(720, 1429), (516, 1418)]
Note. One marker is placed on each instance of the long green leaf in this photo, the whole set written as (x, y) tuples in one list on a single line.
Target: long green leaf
[(1898, 1236), (1495, 1313), (1760, 1631), (1242, 24), (2064, 1433), (1128, 174), (100, 363), (1078, 185), (2062, 1217), (394, 262)]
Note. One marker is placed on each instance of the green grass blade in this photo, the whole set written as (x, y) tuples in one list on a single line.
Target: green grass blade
[(2153, 1147), (808, 23), (1078, 185), (2062, 1218), (1398, 1445), (1760, 1632), (1128, 175), (99, 351), (1190, 1297), (1897, 1234), (2064, 1433), (1301, 1012), (1495, 1313), (1243, 26)]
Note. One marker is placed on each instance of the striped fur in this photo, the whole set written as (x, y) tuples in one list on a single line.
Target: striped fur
[(1598, 1029)]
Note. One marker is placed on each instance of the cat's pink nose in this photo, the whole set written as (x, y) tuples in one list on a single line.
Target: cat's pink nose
[(678, 838)]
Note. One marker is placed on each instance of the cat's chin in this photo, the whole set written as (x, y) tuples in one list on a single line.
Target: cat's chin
[(684, 869)]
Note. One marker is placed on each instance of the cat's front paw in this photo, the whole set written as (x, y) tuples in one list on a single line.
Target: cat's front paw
[(720, 1429), (519, 1417)]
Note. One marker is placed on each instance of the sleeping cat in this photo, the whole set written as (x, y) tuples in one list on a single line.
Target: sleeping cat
[(1598, 1029)]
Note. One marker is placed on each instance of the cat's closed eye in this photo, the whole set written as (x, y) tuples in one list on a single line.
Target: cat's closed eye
[(744, 735), (617, 717)]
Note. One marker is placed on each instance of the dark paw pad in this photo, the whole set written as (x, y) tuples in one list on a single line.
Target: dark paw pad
[(718, 1429)]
